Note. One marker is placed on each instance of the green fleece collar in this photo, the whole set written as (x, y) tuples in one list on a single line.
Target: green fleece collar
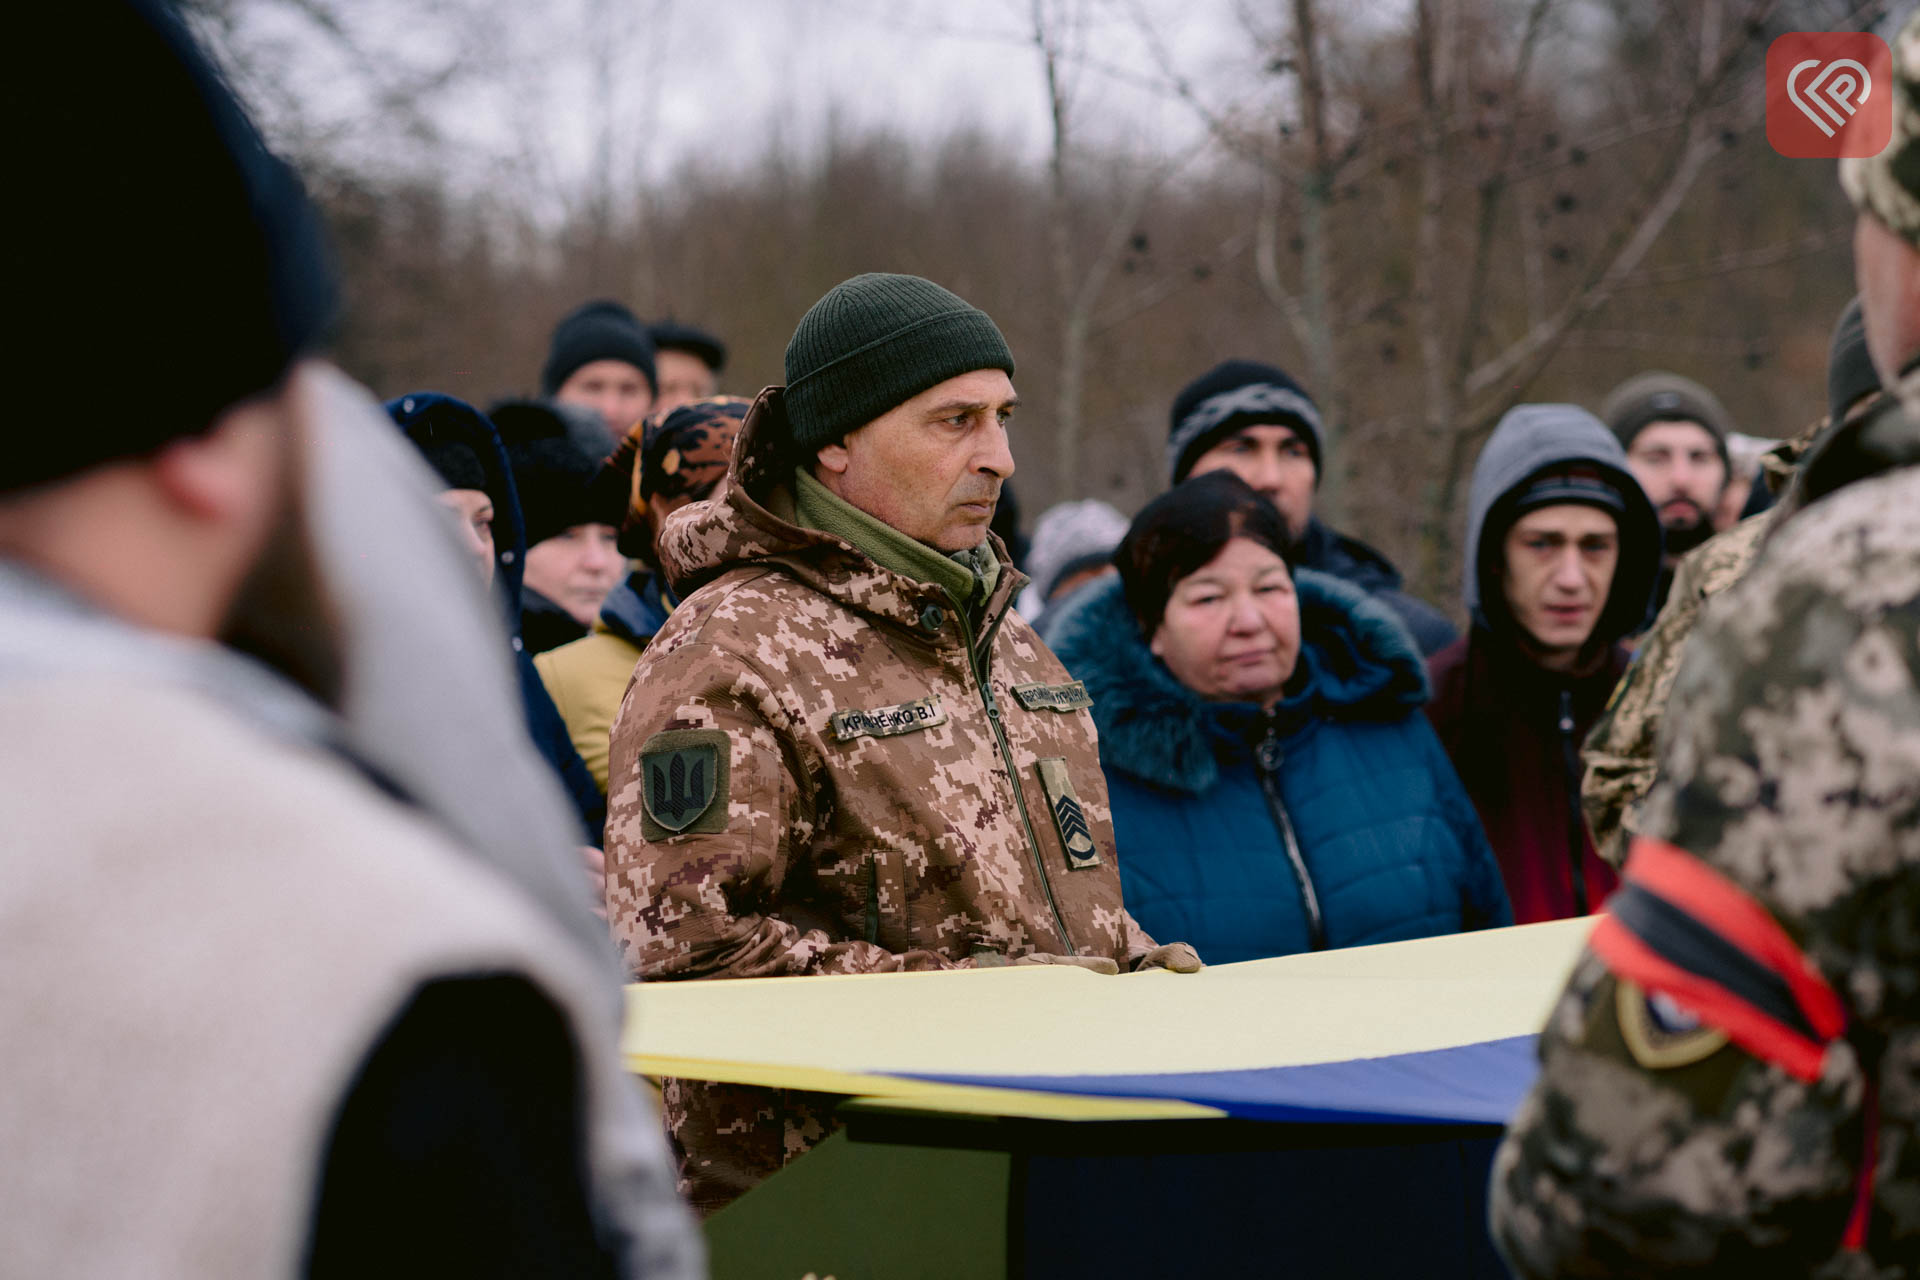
[(969, 577)]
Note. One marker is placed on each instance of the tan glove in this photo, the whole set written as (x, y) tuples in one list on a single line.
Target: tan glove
[(1098, 964), (1176, 957)]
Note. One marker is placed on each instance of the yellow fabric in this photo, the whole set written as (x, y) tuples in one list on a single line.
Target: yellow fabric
[(846, 1034), (586, 680)]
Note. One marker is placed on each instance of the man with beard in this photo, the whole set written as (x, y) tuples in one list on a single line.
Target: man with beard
[(1675, 433), (270, 1019)]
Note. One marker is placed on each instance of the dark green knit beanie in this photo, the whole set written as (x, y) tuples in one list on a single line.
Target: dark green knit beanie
[(877, 341)]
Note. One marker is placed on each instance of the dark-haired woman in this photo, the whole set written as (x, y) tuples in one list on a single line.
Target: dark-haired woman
[(1274, 786)]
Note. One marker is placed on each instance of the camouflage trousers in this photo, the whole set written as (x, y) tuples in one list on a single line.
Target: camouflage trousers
[(729, 1138)]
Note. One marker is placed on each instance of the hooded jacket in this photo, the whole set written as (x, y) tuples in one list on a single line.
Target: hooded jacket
[(1513, 728), (544, 725), (825, 766), (1335, 820), (1325, 550)]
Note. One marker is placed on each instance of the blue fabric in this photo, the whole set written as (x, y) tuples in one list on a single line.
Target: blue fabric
[(1469, 1084), (637, 608), (1390, 840), (555, 744), (1324, 550)]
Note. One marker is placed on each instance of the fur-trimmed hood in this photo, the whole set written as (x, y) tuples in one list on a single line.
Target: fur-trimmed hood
[(1359, 664)]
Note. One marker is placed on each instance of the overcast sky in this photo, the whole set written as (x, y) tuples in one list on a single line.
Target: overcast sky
[(718, 80)]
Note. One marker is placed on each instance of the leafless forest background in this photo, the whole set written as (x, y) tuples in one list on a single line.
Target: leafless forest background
[(1427, 211)]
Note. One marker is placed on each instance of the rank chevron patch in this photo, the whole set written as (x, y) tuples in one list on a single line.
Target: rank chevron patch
[(1069, 819)]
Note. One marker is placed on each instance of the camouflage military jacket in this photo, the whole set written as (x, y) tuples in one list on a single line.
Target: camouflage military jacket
[(1618, 756), (818, 769), (1790, 767)]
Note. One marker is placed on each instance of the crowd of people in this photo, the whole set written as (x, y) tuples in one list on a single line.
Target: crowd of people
[(686, 685)]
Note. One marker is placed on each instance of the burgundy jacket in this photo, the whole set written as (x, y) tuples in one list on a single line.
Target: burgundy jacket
[(1513, 731)]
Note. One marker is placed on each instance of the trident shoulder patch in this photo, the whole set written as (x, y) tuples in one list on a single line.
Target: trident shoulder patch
[(683, 783), (884, 722), (1071, 696), (1068, 817)]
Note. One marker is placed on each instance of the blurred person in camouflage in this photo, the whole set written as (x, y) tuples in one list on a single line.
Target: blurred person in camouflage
[(668, 461), (1618, 756), (274, 1014), (1728, 1083), (844, 753), (687, 364)]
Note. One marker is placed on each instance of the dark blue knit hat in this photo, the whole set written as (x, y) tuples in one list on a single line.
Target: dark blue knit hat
[(1232, 395), (151, 188), (599, 330)]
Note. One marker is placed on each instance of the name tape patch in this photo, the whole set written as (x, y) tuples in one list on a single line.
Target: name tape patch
[(885, 722), (1071, 696)]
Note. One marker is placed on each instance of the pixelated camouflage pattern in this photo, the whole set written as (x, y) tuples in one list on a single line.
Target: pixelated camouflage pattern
[(868, 855), (1619, 751), (1888, 185), (1790, 764), (1619, 754)]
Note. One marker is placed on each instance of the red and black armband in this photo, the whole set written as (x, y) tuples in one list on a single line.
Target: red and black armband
[(1681, 929)]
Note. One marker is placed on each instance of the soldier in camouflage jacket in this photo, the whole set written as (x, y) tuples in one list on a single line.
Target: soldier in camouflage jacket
[(828, 765), (1731, 1082)]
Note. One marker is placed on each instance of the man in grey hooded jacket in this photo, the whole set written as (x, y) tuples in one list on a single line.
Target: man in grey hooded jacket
[(1562, 551)]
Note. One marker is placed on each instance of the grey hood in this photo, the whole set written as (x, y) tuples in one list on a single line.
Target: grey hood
[(1532, 438)]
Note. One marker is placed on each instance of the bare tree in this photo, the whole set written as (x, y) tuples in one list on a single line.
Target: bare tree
[(1457, 164), (1081, 280)]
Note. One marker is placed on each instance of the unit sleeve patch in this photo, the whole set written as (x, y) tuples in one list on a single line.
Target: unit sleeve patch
[(683, 783)]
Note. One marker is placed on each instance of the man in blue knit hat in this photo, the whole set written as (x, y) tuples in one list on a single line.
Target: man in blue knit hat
[(1255, 421)]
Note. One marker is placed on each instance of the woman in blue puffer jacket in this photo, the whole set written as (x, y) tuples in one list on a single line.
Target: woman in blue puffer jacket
[(1274, 786)]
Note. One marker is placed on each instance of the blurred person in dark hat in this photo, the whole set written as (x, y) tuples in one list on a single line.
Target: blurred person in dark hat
[(572, 529), (667, 462), (687, 363), (463, 448), (602, 358), (1675, 433), (278, 1012)]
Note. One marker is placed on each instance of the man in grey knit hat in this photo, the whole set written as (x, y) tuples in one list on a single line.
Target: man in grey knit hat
[(844, 752)]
